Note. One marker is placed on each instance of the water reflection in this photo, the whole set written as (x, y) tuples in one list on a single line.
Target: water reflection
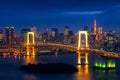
[(29, 77), (30, 59), (100, 71), (83, 68), (9, 68), (105, 74), (83, 73)]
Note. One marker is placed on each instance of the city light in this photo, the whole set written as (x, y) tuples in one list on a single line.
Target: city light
[(95, 30), (59, 39), (103, 64)]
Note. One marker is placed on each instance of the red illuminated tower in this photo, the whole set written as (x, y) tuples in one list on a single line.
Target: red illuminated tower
[(94, 29)]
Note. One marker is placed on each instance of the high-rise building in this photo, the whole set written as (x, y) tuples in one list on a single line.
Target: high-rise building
[(40, 36), (9, 36), (66, 31), (100, 30), (48, 34), (24, 35), (70, 38), (34, 29), (91, 30), (54, 32), (66, 34), (86, 28), (71, 33), (1, 37), (95, 27), (99, 35)]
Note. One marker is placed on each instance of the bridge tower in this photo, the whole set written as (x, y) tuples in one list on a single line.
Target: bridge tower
[(82, 46), (30, 43), (80, 40)]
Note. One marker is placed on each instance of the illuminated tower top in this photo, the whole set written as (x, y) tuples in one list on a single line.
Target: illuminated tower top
[(94, 31)]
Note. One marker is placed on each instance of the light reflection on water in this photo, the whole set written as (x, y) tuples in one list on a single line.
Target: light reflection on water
[(9, 69), (105, 74), (83, 73), (29, 77), (30, 59)]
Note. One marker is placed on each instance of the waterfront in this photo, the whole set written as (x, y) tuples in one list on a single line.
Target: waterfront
[(9, 69)]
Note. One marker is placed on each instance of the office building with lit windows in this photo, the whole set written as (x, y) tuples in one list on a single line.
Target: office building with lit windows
[(9, 36)]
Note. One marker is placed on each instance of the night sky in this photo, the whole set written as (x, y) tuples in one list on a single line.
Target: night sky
[(59, 13)]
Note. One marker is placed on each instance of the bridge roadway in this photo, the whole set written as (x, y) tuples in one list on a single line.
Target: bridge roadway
[(100, 52)]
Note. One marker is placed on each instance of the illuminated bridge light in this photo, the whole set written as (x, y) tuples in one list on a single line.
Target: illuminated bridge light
[(29, 47), (28, 38), (80, 47), (86, 39)]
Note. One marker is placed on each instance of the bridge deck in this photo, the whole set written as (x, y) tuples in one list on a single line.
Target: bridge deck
[(100, 52)]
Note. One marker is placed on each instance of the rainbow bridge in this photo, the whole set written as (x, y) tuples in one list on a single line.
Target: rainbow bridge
[(79, 48)]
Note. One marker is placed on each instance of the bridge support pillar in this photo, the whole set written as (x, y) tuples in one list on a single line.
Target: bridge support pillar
[(30, 50), (30, 44), (82, 44), (86, 58), (82, 56), (79, 58)]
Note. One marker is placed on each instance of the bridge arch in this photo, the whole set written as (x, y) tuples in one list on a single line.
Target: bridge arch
[(28, 38)]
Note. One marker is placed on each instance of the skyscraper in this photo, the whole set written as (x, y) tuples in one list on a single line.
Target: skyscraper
[(66, 34), (34, 29), (54, 32), (24, 35), (66, 31), (95, 28), (85, 28), (1, 37), (9, 36), (100, 33), (100, 30)]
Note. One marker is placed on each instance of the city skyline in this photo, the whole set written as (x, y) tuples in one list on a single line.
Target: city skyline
[(59, 39), (61, 29), (47, 14)]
